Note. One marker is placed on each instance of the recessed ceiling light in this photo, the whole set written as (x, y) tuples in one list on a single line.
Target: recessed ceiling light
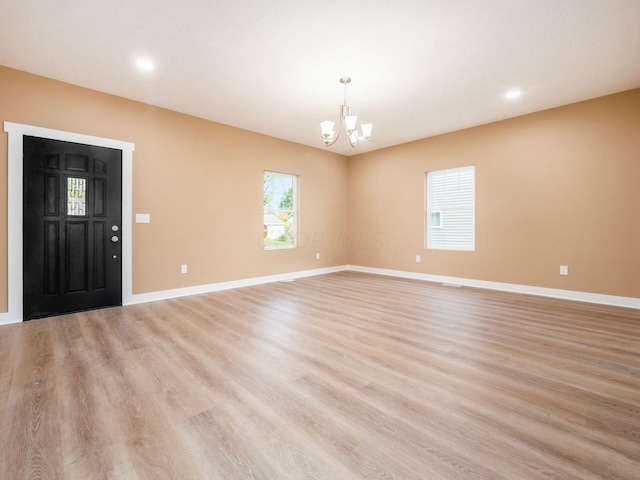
[(145, 64), (512, 94)]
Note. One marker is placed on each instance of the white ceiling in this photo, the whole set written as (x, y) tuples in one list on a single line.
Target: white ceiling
[(419, 67)]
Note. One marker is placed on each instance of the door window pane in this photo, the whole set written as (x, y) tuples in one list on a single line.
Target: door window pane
[(76, 196)]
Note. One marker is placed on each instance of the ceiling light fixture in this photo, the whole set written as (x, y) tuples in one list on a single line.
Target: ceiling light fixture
[(512, 94), (329, 135), (145, 64)]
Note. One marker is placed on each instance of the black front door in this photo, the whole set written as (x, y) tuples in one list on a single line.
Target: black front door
[(72, 220)]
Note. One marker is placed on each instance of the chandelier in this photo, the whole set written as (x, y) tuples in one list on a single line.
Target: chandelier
[(329, 135)]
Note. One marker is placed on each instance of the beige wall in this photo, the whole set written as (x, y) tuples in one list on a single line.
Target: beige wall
[(558, 187), (200, 181)]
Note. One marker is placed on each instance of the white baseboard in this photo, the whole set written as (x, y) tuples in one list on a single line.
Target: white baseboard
[(5, 319), (628, 302), (216, 287)]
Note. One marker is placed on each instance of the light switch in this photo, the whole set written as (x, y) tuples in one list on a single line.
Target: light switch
[(143, 218)]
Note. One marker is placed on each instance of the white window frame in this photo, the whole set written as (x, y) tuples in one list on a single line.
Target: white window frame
[(294, 208), (442, 226)]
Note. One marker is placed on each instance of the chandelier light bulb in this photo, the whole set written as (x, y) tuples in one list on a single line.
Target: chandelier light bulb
[(350, 122), (327, 128), (366, 131)]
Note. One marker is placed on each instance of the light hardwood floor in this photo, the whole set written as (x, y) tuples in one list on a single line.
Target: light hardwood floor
[(342, 376)]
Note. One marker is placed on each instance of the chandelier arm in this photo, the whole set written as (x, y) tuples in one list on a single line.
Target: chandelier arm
[(343, 108), (353, 138)]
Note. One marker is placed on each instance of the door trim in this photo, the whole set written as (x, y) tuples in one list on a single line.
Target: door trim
[(16, 133)]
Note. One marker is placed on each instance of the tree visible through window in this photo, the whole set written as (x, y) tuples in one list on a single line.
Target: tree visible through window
[(279, 215), (450, 215)]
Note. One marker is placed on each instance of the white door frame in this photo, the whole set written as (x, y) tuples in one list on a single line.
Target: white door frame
[(16, 133)]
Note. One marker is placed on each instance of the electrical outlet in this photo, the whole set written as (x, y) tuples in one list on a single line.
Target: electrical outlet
[(318, 256), (564, 270), (183, 269), (143, 218), (417, 258)]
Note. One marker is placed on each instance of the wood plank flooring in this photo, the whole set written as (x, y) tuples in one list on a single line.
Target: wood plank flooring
[(341, 376)]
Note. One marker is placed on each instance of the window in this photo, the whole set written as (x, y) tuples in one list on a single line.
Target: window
[(450, 215), (76, 196), (280, 210)]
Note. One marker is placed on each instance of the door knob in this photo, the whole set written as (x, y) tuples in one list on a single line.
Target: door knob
[(115, 239), (115, 228)]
